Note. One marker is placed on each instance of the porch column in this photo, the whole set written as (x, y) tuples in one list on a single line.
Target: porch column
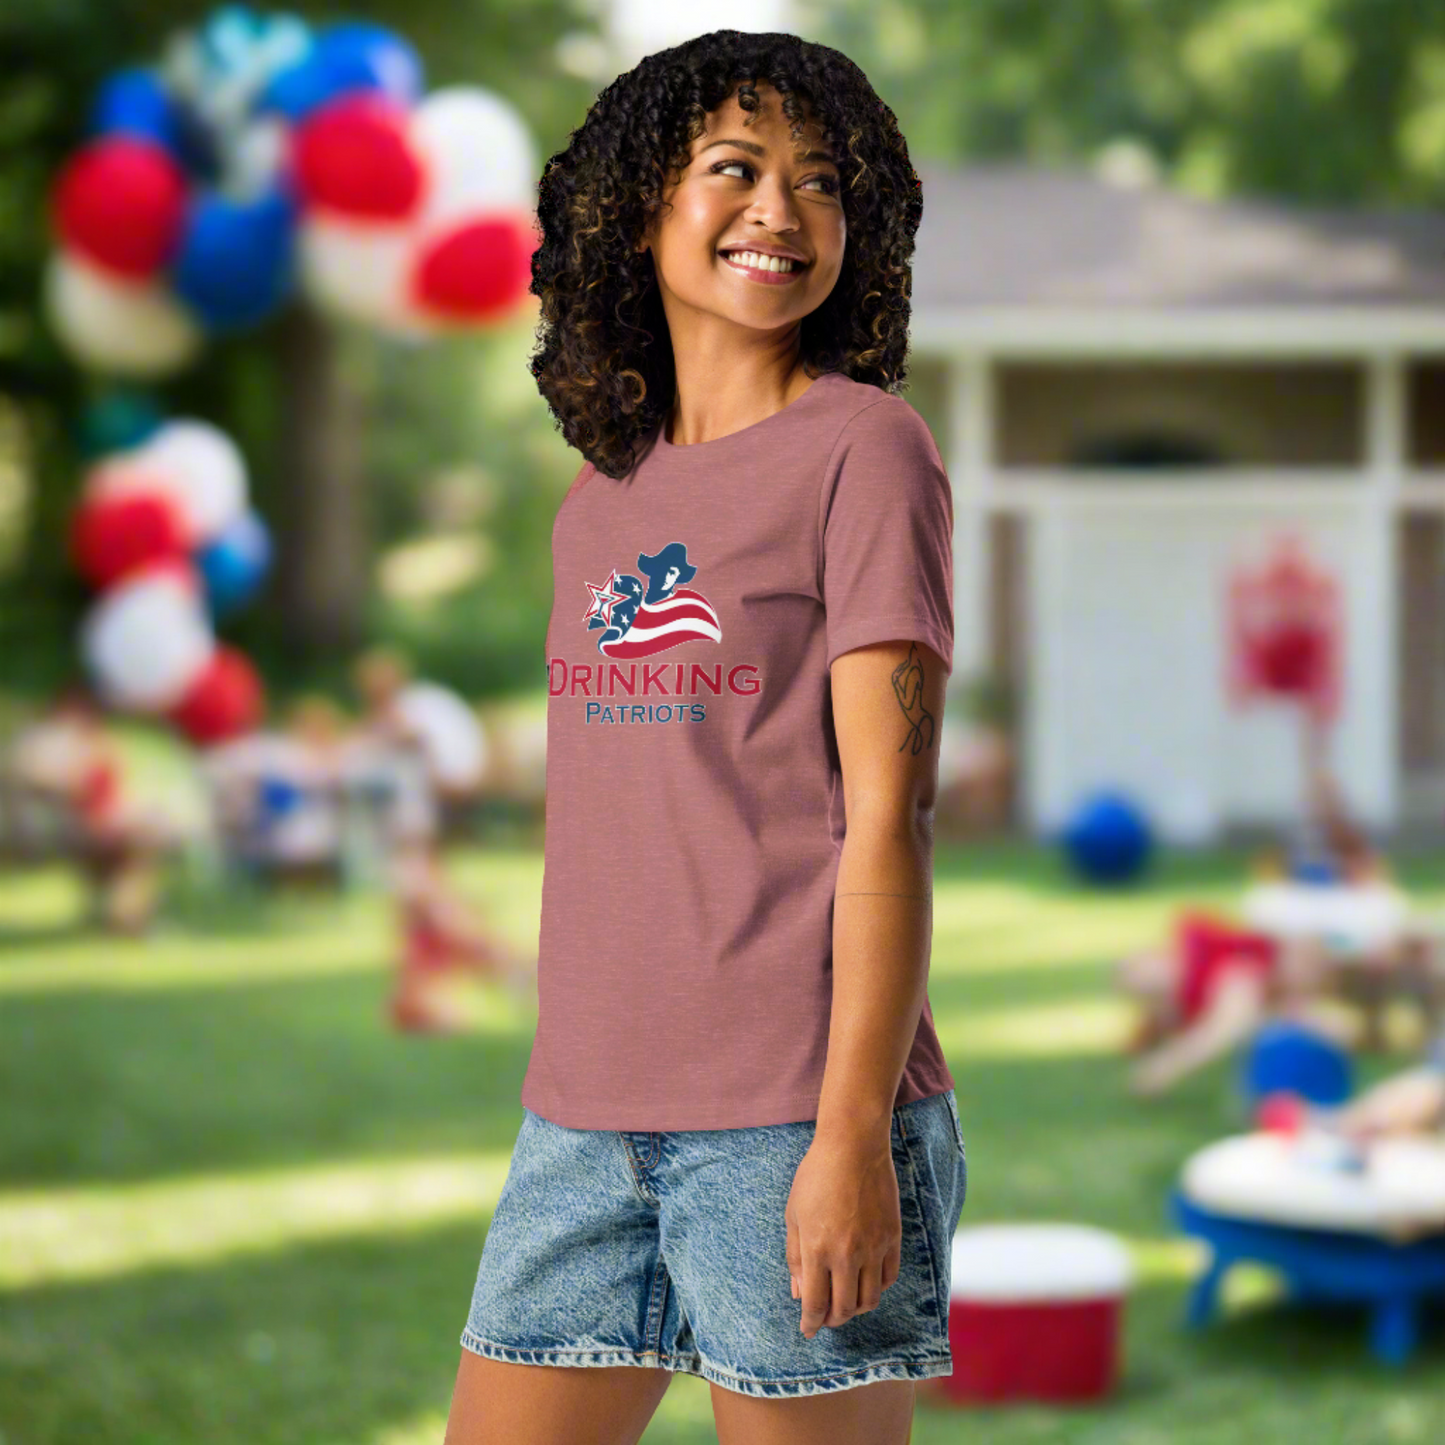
[(970, 468), (1373, 659)]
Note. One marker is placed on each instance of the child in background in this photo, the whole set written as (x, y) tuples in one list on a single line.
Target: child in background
[(439, 932), (68, 760), (1210, 990)]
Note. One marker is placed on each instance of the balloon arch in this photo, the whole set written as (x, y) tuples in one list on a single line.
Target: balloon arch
[(259, 162)]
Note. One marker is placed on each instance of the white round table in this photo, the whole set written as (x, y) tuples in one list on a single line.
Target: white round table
[(1353, 917), (1266, 1177)]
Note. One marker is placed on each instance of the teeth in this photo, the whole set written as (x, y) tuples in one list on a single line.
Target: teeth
[(762, 263)]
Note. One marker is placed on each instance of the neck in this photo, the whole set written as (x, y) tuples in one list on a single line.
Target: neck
[(715, 400)]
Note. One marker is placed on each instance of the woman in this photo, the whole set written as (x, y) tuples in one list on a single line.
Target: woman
[(740, 1154)]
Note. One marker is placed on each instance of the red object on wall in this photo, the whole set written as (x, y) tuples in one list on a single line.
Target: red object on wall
[(481, 269), (1062, 1351), (225, 701), (1285, 632), (353, 157), (121, 203), (113, 536)]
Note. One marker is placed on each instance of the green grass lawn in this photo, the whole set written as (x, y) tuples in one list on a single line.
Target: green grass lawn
[(234, 1207)]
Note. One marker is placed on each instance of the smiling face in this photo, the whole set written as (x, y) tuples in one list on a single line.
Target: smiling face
[(750, 185)]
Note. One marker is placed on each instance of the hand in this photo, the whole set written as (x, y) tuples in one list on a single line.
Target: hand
[(845, 1229), (1409, 1103)]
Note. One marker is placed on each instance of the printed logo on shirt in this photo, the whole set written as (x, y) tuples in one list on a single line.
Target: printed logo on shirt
[(637, 622)]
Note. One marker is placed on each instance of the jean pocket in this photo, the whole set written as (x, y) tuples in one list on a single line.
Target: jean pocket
[(952, 1103)]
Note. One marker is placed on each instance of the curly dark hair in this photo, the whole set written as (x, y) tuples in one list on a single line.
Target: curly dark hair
[(601, 361)]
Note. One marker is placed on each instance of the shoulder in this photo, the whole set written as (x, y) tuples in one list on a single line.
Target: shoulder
[(871, 419)]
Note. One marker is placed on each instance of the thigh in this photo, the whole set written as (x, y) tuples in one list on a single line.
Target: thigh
[(880, 1414), (724, 1243), (496, 1402)]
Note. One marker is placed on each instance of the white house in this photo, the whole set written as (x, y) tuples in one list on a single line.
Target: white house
[(1135, 392)]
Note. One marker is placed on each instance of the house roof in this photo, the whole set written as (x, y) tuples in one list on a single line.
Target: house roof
[(1012, 235)]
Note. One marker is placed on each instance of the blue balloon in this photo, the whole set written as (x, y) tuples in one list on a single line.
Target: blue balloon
[(354, 56), (134, 102), (1108, 839), (237, 259), (234, 565)]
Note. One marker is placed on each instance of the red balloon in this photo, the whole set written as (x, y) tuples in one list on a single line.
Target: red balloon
[(224, 702), (476, 272), (121, 203), (353, 156), (113, 536)]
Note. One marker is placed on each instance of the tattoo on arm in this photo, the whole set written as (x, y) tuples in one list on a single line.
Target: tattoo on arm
[(908, 688)]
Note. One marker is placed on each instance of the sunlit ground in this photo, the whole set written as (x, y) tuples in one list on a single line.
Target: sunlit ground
[(234, 1207)]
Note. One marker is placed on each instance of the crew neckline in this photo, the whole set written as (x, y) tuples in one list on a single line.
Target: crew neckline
[(663, 445)]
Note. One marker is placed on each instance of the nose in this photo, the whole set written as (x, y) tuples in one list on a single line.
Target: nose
[(773, 206)]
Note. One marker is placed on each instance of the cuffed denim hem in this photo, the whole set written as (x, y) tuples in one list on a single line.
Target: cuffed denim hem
[(727, 1379)]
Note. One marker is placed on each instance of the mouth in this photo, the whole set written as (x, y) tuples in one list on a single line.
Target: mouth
[(770, 270)]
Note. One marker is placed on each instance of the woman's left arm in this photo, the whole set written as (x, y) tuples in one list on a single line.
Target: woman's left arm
[(887, 713), (844, 1230)]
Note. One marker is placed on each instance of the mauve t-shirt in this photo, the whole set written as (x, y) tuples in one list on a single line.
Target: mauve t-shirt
[(695, 810)]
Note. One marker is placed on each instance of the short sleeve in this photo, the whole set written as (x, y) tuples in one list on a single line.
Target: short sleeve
[(584, 473), (887, 531)]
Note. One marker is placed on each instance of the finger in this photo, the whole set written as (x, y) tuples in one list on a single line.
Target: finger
[(870, 1288), (817, 1296), (794, 1247), (795, 1255), (892, 1263), (845, 1296)]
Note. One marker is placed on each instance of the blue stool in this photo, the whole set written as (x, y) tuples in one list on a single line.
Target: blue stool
[(1392, 1280)]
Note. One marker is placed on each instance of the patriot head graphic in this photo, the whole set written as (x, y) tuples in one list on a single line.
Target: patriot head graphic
[(638, 622)]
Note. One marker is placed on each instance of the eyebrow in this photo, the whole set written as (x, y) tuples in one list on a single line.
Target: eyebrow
[(754, 149)]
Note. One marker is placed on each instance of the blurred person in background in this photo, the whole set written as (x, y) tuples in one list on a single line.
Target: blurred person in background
[(276, 795), (1410, 1102), (1211, 989), (439, 933), (1217, 981), (67, 761)]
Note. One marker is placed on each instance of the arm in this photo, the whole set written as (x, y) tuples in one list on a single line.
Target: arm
[(1234, 1012), (844, 1225), (887, 709)]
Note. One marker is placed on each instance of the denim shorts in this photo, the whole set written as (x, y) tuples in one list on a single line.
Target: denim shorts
[(669, 1250)]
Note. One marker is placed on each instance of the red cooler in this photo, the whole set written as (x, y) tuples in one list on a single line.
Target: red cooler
[(1035, 1313)]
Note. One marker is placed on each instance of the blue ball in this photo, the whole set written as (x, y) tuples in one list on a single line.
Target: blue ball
[(1108, 839), (235, 564), (1288, 1058), (354, 56), (134, 102), (236, 261)]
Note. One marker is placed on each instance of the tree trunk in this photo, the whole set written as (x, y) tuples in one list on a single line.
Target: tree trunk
[(322, 515)]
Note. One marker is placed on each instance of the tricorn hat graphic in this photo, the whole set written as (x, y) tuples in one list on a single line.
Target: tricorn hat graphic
[(656, 567)]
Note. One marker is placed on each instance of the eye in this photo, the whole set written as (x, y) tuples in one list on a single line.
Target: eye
[(830, 183)]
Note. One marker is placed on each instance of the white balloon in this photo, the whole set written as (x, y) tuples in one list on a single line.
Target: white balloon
[(477, 153), (361, 272), (147, 641), (117, 326), (451, 733), (204, 471)]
